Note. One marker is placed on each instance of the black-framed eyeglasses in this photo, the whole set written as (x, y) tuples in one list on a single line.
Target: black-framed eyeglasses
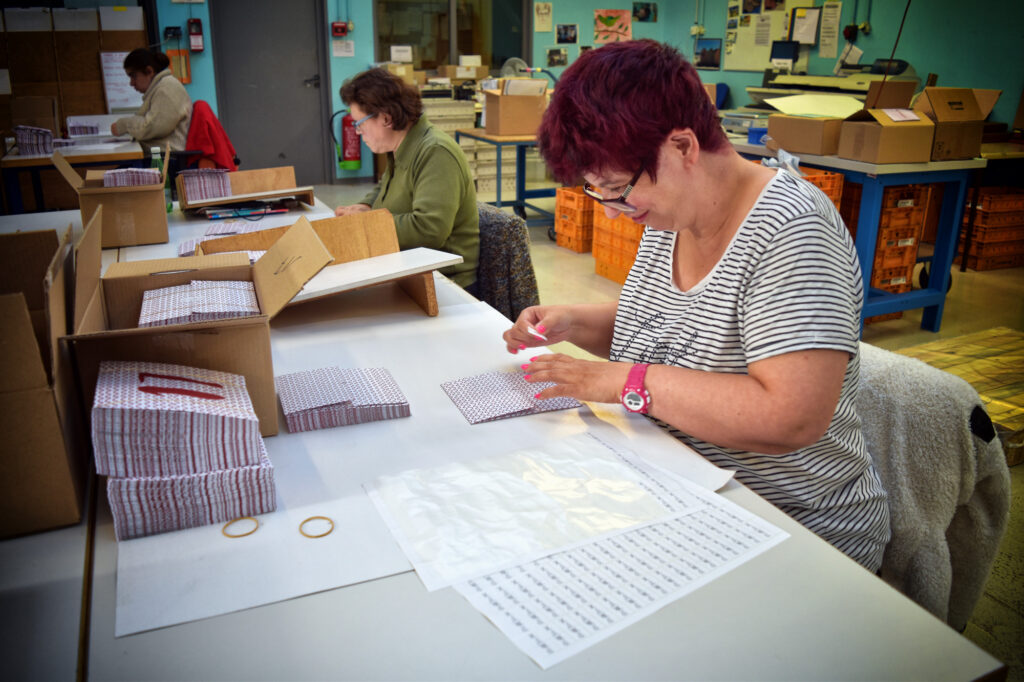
[(361, 121), (619, 203)]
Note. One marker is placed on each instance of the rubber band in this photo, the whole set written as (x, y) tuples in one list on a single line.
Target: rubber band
[(316, 518), (225, 533)]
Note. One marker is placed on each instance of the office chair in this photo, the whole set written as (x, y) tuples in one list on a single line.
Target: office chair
[(943, 467), (505, 275)]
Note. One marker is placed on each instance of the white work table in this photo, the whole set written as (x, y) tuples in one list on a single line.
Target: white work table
[(801, 610)]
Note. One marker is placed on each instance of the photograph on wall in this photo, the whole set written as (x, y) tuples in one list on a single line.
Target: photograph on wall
[(734, 11), (732, 23), (586, 48), (774, 5), (730, 41), (558, 56), (752, 6), (566, 33), (612, 26), (708, 53), (541, 17), (645, 11)]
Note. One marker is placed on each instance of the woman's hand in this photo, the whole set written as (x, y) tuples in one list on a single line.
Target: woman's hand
[(551, 322), (596, 381), (349, 210), (113, 129)]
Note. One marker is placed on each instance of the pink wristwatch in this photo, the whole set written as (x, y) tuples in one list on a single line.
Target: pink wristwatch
[(635, 397)]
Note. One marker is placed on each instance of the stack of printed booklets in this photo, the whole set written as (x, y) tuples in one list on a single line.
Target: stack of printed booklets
[(198, 301), (329, 397), (131, 177), (181, 447), (205, 183)]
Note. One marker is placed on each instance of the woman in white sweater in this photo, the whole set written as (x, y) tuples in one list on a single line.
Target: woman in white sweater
[(166, 107)]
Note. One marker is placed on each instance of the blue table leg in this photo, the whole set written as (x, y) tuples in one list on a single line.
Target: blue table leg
[(497, 171), (947, 236), (12, 188)]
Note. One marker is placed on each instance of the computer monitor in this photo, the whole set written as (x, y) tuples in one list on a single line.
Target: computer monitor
[(785, 53)]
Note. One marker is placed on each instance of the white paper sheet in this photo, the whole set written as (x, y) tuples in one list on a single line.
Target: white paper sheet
[(365, 271), (558, 606), (464, 520)]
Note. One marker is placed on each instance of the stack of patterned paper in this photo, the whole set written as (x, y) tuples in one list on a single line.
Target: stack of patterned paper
[(131, 177), (205, 183), (181, 447), (501, 395), (83, 129), (33, 140), (198, 301), (328, 397)]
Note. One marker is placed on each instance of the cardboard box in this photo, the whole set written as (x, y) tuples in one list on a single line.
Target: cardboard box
[(888, 132), (43, 458), (804, 134), (959, 120), (513, 114), (107, 312), (249, 185), (458, 74), (347, 238), (131, 215)]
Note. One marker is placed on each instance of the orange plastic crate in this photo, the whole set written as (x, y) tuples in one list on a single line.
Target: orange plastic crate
[(1000, 199), (615, 273), (573, 229), (573, 243), (885, 278), (573, 205), (829, 182), (988, 235), (993, 262), (895, 289), (905, 196), (983, 218), (901, 217), (991, 249)]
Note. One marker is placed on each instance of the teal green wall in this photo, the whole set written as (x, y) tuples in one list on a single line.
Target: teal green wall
[(978, 45), (971, 45)]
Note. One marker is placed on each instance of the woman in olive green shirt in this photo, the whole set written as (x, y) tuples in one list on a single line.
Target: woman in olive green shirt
[(427, 185)]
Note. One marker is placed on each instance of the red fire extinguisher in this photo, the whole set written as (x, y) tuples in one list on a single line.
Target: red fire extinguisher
[(351, 144)]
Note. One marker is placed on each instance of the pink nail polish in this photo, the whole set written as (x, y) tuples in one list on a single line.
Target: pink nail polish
[(541, 328), (524, 366), (534, 358), (537, 396), (522, 346), (526, 376)]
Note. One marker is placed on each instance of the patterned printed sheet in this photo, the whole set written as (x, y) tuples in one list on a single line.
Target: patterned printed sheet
[(205, 183), (147, 505), (131, 177), (198, 301), (330, 397), (501, 395), (156, 419)]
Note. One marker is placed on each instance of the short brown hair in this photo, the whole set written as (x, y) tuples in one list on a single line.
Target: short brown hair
[(378, 91)]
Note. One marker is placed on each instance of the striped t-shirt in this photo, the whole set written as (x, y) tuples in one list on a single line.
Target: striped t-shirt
[(788, 281)]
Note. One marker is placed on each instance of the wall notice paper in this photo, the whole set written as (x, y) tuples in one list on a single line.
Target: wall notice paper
[(829, 41), (464, 520), (343, 48), (558, 606)]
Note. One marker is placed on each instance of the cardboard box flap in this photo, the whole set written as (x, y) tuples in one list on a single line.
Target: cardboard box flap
[(69, 173), (23, 264), (347, 238), (165, 266), (21, 364), (886, 119), (287, 265), (57, 292), (949, 104), (88, 267), (986, 100), (889, 94)]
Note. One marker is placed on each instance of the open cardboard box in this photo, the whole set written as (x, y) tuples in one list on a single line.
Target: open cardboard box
[(131, 215), (886, 130), (809, 124), (107, 313), (513, 114), (351, 238), (251, 185), (959, 115), (43, 458)]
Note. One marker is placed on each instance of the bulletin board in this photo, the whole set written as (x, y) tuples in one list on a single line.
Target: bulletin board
[(751, 26), (121, 96)]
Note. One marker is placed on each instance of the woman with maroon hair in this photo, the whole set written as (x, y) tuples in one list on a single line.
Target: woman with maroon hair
[(737, 328)]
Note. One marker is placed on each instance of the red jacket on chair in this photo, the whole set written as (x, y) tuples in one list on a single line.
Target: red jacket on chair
[(206, 135)]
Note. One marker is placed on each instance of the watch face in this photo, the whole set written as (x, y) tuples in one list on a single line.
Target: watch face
[(633, 401)]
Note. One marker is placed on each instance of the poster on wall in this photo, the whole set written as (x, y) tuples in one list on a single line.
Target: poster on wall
[(751, 27), (645, 11), (558, 56), (566, 33), (708, 53), (541, 17), (612, 26)]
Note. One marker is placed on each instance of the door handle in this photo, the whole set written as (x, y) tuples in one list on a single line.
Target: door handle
[(313, 81)]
